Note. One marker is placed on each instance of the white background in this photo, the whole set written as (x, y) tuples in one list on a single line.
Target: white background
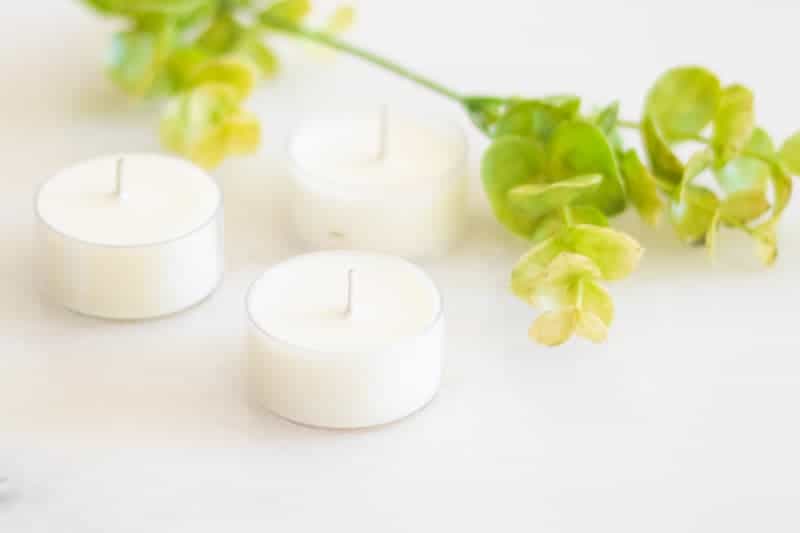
[(685, 421)]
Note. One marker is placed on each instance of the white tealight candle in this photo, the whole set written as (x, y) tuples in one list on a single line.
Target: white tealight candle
[(380, 181), (129, 237), (345, 339)]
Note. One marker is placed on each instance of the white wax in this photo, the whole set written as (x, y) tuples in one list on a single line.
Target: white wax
[(150, 248), (387, 182), (314, 363)]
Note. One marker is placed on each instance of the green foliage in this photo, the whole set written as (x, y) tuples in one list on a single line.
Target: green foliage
[(790, 154), (206, 56), (683, 101)]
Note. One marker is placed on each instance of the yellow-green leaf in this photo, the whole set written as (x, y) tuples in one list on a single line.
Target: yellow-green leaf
[(511, 161), (697, 164), (665, 163), (290, 10), (552, 328), (569, 267), (242, 133), (748, 171), (594, 298), (744, 206), (614, 252), (221, 35), (790, 154), (239, 75), (340, 20), (537, 199), (579, 148), (733, 123), (196, 124), (691, 214), (683, 101), (529, 271), (591, 327), (642, 188)]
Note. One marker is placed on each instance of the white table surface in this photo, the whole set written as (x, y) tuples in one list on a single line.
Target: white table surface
[(686, 420)]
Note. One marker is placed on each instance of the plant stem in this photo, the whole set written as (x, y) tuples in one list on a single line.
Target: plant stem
[(281, 24)]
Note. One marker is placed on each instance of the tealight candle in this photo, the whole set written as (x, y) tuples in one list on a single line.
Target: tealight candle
[(384, 182), (129, 237), (344, 339)]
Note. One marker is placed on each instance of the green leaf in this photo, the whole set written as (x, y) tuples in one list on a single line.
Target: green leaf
[(596, 300), (237, 74), (509, 162), (790, 154), (484, 112), (781, 192), (665, 163), (606, 119), (748, 172), (683, 101), (698, 163), (550, 225), (222, 35), (539, 199), (242, 133), (554, 327), (292, 11), (530, 118), (614, 252), (138, 58), (591, 327), (579, 148), (642, 187), (744, 206), (546, 227), (742, 174), (766, 244), (586, 214), (567, 103), (733, 123), (206, 123), (138, 7), (183, 63), (692, 213), (529, 271), (340, 20), (569, 267)]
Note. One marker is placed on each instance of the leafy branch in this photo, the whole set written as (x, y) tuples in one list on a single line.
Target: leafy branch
[(553, 173)]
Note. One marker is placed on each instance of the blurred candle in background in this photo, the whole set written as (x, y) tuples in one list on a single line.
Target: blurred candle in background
[(381, 181)]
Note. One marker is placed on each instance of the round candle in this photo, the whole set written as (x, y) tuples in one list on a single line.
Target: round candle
[(345, 339), (385, 182), (130, 236)]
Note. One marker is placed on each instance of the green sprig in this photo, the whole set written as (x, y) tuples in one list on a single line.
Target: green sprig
[(553, 173)]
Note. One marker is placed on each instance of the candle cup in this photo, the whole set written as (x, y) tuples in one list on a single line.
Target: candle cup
[(383, 182), (133, 274), (316, 361)]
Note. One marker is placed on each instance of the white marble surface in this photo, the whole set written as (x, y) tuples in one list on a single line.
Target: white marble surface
[(684, 421)]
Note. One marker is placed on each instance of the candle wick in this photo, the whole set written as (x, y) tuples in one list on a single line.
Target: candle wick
[(383, 132), (348, 312), (119, 191)]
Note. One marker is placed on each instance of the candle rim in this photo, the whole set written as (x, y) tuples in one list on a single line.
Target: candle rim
[(322, 183), (434, 322), (218, 207)]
